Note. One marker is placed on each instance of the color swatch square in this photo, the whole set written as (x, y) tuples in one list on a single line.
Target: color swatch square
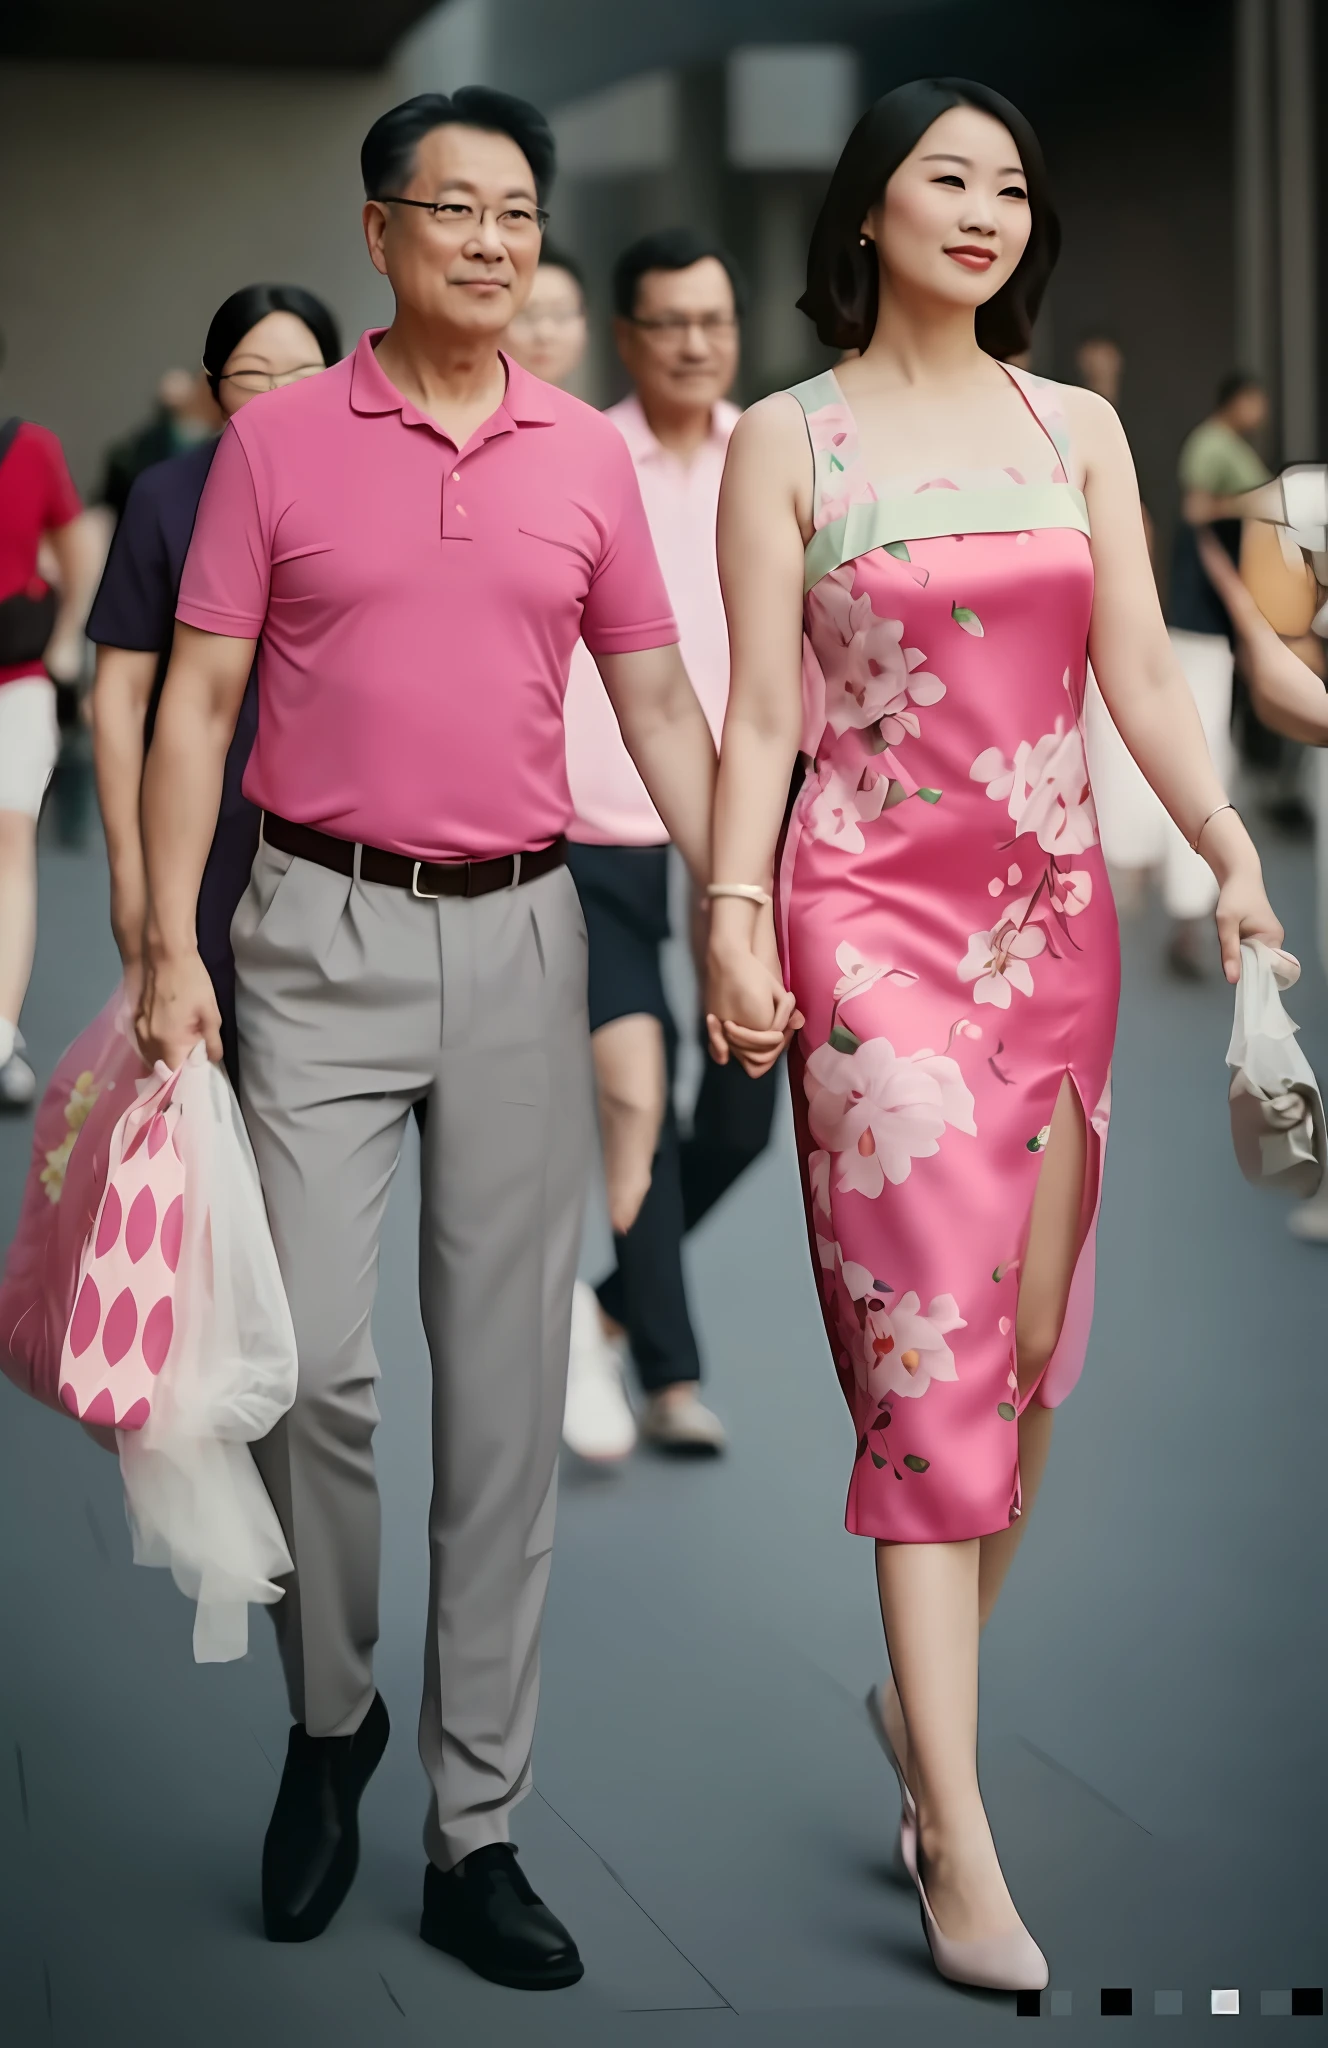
[(1028, 2004), (1307, 2002), (1275, 2005), (1062, 2004), (1167, 2004), (1225, 2001), (1117, 2002)]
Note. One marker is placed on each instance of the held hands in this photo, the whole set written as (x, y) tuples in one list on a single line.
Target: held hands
[(749, 1012), (177, 1009)]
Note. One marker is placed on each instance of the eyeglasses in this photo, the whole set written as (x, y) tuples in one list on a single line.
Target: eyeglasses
[(515, 223), (672, 326), (549, 316), (269, 380)]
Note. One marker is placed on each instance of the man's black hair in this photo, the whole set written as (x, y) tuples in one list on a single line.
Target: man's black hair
[(669, 249), (387, 156), (554, 258), (1233, 384)]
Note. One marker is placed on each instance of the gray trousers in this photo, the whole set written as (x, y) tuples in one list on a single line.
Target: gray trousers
[(355, 1001)]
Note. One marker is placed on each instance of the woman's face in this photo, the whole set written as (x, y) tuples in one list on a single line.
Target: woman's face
[(954, 218), (548, 336), (279, 350)]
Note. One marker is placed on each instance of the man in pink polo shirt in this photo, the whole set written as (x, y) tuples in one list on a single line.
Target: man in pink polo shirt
[(419, 536), (678, 300)]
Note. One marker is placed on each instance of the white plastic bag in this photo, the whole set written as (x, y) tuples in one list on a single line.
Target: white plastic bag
[(195, 1502), (1277, 1123)]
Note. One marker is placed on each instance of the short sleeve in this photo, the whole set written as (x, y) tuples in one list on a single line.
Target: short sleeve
[(61, 500), (227, 572), (133, 605), (626, 607)]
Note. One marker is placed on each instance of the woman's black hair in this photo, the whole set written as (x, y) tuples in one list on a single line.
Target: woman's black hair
[(244, 309), (553, 258), (1233, 385), (670, 249), (387, 156), (843, 277)]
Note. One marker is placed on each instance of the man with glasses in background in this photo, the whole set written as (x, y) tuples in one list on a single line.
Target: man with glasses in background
[(419, 536), (677, 297)]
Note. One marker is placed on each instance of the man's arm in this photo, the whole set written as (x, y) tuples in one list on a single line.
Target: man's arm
[(664, 730), (120, 698), (182, 784)]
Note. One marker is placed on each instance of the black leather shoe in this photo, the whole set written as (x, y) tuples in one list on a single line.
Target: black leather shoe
[(484, 1912), (312, 1844)]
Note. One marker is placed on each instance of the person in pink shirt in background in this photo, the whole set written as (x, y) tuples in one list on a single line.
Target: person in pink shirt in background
[(678, 300)]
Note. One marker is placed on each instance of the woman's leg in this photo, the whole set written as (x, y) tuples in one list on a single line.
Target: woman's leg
[(1055, 1236), (929, 1604)]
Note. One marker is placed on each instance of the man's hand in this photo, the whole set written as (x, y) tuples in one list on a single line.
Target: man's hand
[(177, 1009), (749, 1012)]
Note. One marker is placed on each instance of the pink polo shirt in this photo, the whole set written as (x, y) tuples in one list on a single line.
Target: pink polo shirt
[(681, 500), (418, 606)]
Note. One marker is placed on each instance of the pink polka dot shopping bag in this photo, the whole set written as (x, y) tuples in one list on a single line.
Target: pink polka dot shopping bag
[(120, 1333)]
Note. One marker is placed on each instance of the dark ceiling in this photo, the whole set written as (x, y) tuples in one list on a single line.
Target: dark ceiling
[(336, 34)]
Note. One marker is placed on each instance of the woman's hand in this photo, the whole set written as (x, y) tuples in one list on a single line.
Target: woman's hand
[(1244, 912), (748, 1009)]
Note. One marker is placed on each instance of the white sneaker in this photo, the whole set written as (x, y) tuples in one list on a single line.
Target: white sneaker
[(598, 1423), (18, 1083), (682, 1423)]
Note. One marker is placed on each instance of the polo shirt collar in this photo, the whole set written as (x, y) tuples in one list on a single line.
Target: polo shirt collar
[(526, 403), (630, 419)]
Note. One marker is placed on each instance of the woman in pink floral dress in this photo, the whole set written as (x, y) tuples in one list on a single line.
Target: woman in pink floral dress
[(911, 608)]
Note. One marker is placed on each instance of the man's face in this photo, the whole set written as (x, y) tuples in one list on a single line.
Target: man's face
[(469, 266), (548, 335), (1248, 410), (1100, 365), (681, 345)]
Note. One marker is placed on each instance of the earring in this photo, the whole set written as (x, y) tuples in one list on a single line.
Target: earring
[(864, 241)]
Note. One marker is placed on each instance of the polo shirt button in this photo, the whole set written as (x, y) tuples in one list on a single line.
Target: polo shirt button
[(461, 510), (456, 476)]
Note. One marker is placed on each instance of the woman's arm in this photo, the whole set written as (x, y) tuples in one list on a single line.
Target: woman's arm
[(1145, 689), (120, 697), (1288, 696), (763, 507)]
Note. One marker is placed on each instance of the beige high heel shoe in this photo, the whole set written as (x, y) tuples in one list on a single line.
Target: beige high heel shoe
[(906, 1846), (999, 1962)]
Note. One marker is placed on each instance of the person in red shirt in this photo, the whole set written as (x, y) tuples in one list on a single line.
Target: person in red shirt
[(40, 638)]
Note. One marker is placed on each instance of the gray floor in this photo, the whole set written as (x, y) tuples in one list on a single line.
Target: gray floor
[(712, 1818)]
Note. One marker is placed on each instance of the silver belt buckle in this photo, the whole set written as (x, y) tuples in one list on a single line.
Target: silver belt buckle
[(422, 895)]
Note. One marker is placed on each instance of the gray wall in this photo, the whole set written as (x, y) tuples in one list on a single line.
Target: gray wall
[(137, 198)]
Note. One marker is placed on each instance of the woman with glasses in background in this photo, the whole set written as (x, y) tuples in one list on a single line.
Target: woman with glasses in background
[(263, 336)]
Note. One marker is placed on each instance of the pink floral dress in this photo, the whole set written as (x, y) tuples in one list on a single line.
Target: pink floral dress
[(947, 927)]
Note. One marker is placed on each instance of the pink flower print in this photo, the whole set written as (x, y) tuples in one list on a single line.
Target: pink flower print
[(1047, 789), (900, 1351), (857, 975), (998, 962), (1072, 892), (870, 677), (847, 797), (839, 483), (877, 1113), (818, 1176)]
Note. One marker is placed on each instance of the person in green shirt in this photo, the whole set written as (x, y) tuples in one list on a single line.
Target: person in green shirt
[(1217, 464)]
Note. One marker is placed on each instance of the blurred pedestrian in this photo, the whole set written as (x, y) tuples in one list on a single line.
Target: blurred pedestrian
[(1217, 463), (41, 641), (262, 337), (548, 336), (1130, 818), (678, 300), (185, 412)]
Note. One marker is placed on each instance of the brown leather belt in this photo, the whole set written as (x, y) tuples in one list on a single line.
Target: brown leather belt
[(424, 878)]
